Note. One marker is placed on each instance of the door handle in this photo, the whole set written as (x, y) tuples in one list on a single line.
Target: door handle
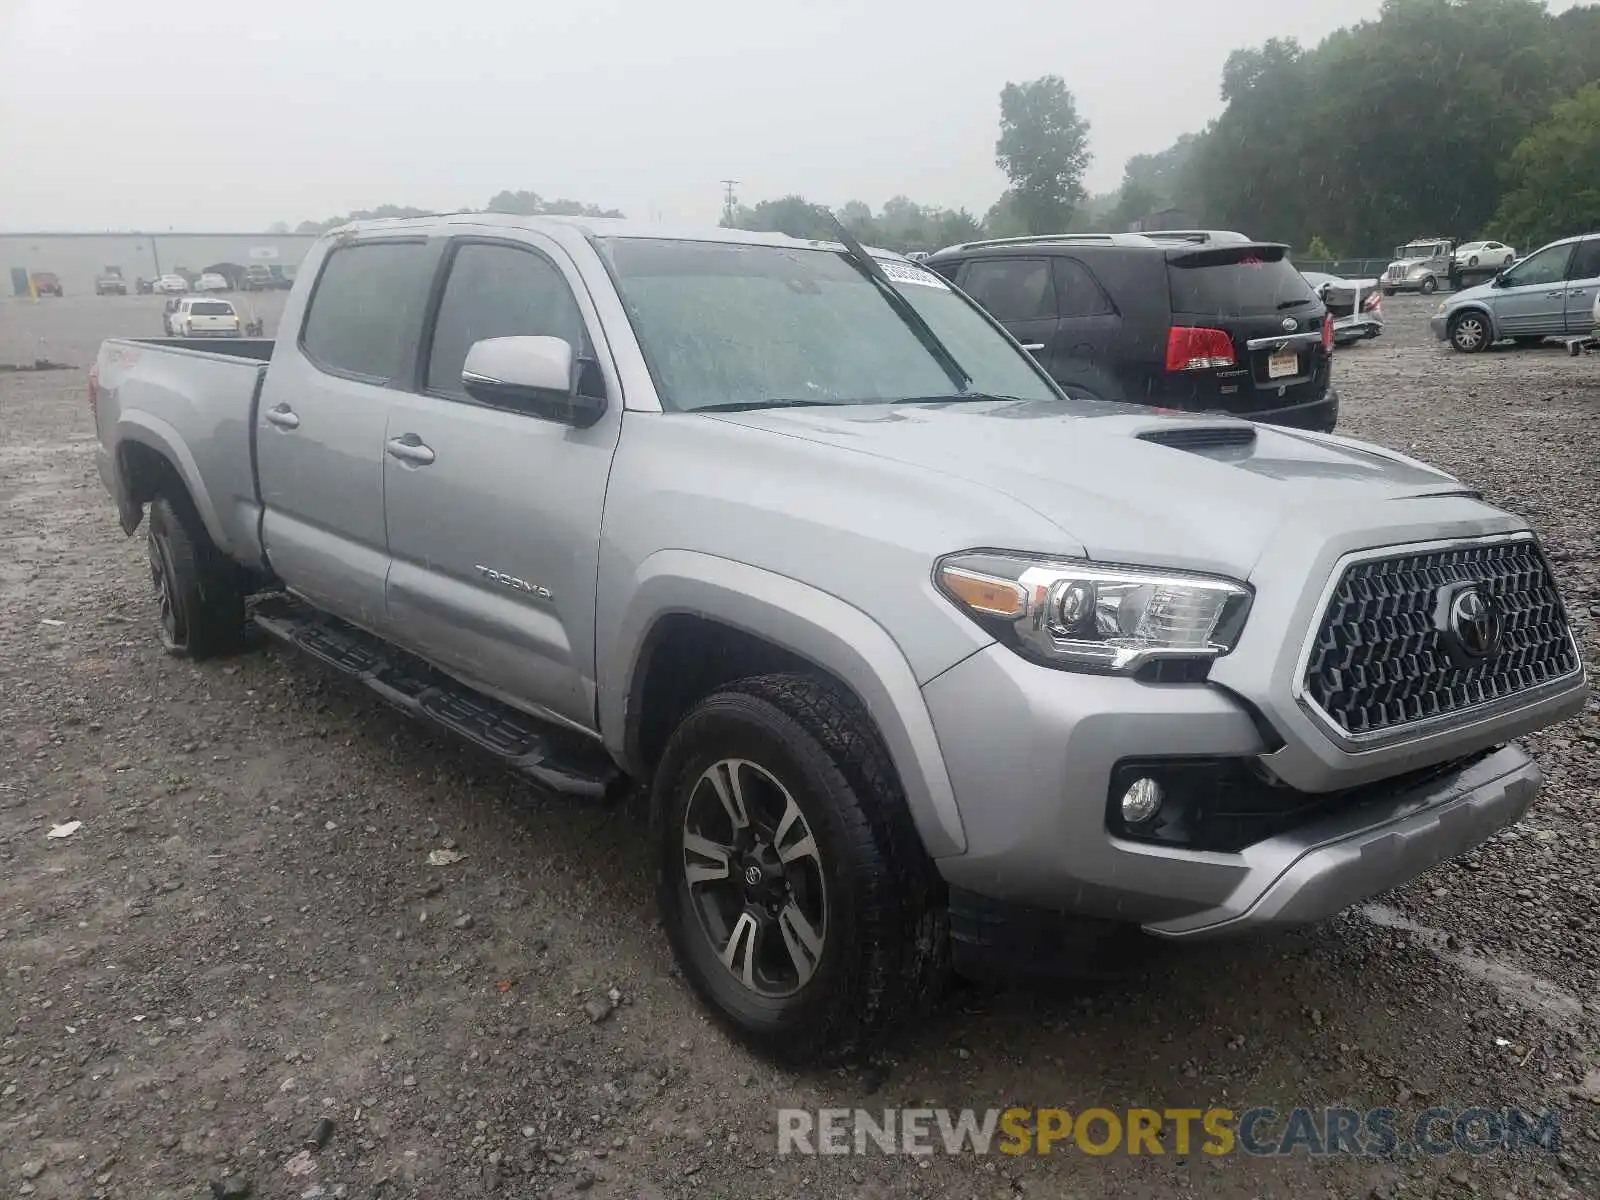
[(1031, 346), (408, 447), (1549, 294), (283, 417)]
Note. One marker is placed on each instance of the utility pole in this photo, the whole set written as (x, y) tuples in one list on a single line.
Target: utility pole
[(730, 202)]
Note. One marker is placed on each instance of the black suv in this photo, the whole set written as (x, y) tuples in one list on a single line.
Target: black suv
[(1192, 320)]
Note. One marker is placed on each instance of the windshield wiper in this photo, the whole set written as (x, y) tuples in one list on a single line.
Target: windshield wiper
[(962, 398), (748, 405), (857, 256)]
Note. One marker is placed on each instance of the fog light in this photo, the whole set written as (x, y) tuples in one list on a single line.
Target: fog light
[(1141, 801)]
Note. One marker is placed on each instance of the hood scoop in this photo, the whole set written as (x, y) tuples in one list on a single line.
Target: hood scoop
[(1202, 437)]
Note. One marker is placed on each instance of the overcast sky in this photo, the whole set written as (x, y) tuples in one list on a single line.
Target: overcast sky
[(216, 114)]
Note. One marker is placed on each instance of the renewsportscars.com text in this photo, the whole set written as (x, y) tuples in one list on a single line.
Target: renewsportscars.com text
[(1261, 1132)]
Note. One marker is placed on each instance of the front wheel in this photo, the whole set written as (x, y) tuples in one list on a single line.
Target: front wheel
[(798, 900), (1469, 332), (1429, 286), (1388, 291), (198, 594)]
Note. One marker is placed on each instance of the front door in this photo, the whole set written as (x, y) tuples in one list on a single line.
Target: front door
[(1583, 282), (1531, 298), (494, 513), (1020, 293), (320, 425)]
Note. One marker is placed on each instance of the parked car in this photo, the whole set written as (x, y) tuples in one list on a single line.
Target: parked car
[(1356, 306), (921, 656), (189, 316), (211, 282), (1419, 265), (1195, 320), (110, 283), (1485, 254), (257, 278), (171, 284), (46, 283), (144, 286), (1548, 294)]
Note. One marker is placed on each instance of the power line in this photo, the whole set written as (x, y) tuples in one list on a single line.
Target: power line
[(730, 202)]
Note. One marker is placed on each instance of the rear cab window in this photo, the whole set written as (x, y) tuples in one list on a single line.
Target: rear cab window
[(1237, 281), (363, 307)]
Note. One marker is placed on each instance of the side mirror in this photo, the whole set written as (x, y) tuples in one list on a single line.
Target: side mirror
[(536, 375)]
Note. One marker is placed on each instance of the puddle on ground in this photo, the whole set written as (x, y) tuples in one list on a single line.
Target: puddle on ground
[(1542, 996)]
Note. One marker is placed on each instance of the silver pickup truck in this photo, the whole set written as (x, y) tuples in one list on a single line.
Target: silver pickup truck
[(922, 658)]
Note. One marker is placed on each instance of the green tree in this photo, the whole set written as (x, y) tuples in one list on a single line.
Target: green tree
[(1555, 175), (1044, 150), (531, 204), (792, 214)]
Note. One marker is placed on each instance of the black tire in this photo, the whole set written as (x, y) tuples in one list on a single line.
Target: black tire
[(884, 934), (198, 592), (1469, 332), (1429, 286), (1388, 291)]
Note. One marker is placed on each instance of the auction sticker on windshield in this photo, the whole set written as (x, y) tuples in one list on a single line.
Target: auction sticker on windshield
[(906, 273)]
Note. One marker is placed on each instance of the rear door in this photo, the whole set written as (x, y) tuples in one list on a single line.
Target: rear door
[(1272, 317), (1531, 298), (321, 421), (494, 512), (1019, 293), (1088, 333), (1583, 285)]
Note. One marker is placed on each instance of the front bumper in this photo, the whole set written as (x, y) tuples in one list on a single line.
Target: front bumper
[(1439, 323), (1354, 328)]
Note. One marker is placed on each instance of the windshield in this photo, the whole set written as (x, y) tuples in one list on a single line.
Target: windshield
[(1416, 250), (726, 324)]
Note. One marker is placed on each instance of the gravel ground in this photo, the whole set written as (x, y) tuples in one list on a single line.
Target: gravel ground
[(244, 936)]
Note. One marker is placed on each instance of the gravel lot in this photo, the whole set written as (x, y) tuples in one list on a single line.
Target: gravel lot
[(244, 936)]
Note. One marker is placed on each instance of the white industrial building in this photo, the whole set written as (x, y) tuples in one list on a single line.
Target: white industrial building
[(76, 258)]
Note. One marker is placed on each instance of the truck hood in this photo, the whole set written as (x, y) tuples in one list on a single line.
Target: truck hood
[(1092, 469)]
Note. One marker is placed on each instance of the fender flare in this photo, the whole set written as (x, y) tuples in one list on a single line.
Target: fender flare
[(134, 425), (814, 625)]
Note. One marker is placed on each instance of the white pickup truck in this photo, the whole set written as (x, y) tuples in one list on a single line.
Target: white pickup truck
[(920, 656)]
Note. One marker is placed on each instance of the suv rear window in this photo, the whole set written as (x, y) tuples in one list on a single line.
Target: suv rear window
[(1236, 282)]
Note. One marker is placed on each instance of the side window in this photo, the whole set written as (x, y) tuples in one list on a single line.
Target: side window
[(360, 308), (498, 291), (1080, 294), (1585, 260), (1012, 289), (1547, 266)]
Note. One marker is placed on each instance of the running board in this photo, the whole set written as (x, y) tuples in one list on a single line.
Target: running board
[(544, 753)]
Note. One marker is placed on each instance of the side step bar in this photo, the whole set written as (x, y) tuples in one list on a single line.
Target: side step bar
[(552, 757)]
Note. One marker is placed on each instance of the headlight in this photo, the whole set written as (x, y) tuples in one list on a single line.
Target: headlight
[(1443, 304), (1089, 617)]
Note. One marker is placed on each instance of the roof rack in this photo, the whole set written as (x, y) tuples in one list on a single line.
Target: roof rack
[(1200, 237), (1108, 239)]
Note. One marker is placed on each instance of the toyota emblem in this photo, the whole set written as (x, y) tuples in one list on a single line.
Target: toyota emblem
[(1475, 623)]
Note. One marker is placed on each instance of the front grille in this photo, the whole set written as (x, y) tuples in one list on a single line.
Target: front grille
[(1383, 658)]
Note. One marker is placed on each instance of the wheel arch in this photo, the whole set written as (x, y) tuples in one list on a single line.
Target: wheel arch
[(151, 457), (694, 622)]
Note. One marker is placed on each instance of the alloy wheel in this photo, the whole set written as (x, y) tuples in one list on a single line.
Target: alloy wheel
[(755, 877), (1469, 333), (161, 577)]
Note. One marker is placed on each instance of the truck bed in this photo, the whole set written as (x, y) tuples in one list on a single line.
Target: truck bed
[(193, 401)]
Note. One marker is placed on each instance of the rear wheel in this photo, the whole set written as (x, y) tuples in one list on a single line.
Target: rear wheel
[(1473, 261), (1429, 286), (1469, 331), (199, 597), (798, 900)]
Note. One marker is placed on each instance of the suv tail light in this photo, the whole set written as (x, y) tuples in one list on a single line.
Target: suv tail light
[(1373, 302), (1196, 348), (1327, 332)]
